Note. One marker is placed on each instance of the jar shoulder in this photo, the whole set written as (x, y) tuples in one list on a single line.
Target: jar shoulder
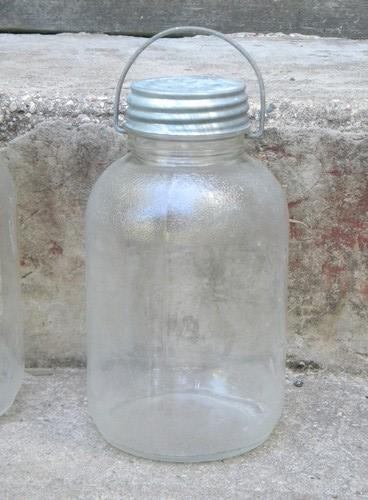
[(234, 198), (258, 172), (242, 176)]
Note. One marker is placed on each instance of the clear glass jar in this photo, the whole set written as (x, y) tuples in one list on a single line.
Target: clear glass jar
[(187, 245), (11, 334)]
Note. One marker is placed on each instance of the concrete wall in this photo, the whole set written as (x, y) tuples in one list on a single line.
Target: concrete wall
[(60, 89), (326, 181), (346, 18)]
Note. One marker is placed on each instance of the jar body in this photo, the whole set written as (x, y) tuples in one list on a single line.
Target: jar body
[(11, 334), (186, 300)]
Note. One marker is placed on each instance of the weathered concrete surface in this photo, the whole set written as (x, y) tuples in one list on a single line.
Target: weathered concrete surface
[(325, 177), (49, 449), (55, 168), (348, 18), (316, 144), (310, 82)]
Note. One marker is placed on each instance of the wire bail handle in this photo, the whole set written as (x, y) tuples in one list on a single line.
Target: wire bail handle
[(190, 30)]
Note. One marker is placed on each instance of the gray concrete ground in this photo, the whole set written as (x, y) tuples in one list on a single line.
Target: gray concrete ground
[(49, 449)]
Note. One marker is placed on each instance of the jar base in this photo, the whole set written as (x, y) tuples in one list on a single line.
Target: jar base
[(190, 459), (186, 427), (9, 391), (7, 401)]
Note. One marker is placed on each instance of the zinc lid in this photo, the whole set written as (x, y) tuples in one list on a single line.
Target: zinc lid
[(187, 107)]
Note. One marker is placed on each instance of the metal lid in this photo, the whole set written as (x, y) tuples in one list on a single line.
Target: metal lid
[(185, 106)]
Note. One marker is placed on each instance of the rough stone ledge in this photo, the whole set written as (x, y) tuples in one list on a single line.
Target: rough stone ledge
[(19, 115), (49, 444), (310, 81)]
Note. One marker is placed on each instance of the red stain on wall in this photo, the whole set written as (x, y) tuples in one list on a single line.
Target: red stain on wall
[(362, 242), (338, 235), (295, 231), (55, 249), (353, 222), (331, 271), (335, 172), (349, 231)]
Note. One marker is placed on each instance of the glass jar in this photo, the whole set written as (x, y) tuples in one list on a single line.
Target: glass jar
[(187, 243), (11, 335)]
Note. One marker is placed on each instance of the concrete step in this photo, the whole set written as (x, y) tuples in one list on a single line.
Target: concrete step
[(49, 448), (310, 81)]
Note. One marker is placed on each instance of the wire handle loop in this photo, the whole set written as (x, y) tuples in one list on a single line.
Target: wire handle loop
[(190, 30)]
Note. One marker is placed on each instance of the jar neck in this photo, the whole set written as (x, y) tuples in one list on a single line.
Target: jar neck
[(185, 153)]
